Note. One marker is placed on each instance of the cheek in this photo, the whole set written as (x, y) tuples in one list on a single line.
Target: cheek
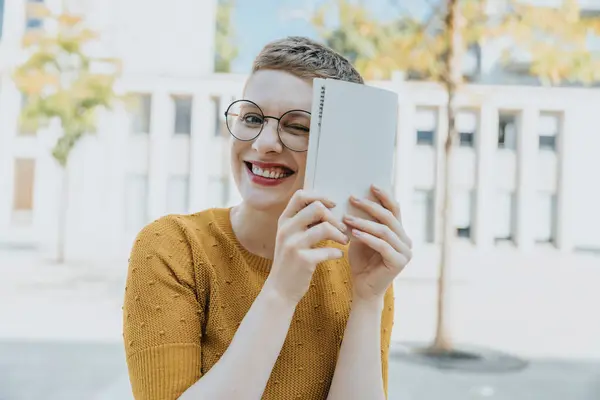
[(237, 148), (235, 162), (300, 159)]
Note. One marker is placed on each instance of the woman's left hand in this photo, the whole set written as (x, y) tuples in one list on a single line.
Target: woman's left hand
[(379, 250)]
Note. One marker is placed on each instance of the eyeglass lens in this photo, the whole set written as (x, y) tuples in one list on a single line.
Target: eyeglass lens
[(245, 121)]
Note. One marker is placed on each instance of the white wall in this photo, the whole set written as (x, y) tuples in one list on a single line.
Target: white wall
[(582, 178), (180, 32)]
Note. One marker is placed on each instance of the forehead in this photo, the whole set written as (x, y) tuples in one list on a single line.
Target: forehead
[(277, 91)]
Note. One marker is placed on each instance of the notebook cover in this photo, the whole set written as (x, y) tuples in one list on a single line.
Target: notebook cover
[(354, 146)]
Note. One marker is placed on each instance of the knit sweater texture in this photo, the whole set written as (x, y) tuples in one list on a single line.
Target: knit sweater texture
[(189, 285)]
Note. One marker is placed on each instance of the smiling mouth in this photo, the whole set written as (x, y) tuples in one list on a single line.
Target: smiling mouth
[(269, 173)]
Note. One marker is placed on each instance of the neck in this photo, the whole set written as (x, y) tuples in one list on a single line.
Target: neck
[(256, 230)]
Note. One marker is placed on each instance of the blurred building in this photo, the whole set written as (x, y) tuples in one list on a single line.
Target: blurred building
[(526, 162)]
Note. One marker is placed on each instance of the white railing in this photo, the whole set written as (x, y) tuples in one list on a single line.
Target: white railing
[(203, 155)]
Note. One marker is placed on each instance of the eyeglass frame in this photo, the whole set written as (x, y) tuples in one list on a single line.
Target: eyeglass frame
[(263, 124)]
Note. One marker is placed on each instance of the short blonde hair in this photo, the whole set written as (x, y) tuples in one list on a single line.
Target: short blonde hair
[(305, 58)]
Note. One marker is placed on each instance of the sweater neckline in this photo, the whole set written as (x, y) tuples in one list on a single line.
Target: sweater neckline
[(223, 221)]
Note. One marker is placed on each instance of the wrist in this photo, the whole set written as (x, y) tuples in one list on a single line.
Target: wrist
[(374, 303), (271, 293)]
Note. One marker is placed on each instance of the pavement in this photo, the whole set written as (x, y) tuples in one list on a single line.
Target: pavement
[(60, 332), (96, 371)]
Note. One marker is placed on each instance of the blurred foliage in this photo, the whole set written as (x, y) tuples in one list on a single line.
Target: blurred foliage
[(226, 51), (60, 80), (556, 40)]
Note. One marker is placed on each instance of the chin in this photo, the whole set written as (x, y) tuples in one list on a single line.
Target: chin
[(275, 199), (262, 204)]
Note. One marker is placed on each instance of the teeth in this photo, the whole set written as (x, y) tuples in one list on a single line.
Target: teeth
[(272, 173)]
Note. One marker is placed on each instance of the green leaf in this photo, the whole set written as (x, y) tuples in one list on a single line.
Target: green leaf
[(226, 49)]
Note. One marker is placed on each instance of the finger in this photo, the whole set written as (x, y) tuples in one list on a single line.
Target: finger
[(383, 215), (320, 232), (316, 213), (315, 256), (387, 202), (394, 207), (392, 259), (379, 230), (302, 199)]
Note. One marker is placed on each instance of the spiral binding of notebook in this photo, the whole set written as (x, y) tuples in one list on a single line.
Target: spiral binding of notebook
[(321, 104)]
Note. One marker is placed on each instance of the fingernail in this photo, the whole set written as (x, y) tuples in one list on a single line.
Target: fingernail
[(356, 232), (355, 199), (349, 218), (376, 188)]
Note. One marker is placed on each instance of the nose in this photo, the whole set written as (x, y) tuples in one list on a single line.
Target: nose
[(268, 140)]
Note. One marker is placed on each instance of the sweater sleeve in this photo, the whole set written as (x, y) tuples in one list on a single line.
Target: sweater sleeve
[(162, 314), (387, 321)]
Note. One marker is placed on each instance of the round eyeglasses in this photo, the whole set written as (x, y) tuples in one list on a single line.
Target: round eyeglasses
[(245, 121)]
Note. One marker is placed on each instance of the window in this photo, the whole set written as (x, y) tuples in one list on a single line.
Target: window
[(423, 216), (220, 125), (549, 126), (545, 211), (178, 194), (140, 113), (217, 191), (136, 197), (507, 131), (24, 183), (23, 129), (217, 115), (183, 114), (504, 213), (466, 124), (462, 213), (1, 17), (426, 125), (32, 18)]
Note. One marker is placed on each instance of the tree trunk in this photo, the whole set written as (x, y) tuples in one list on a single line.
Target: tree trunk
[(442, 341), (62, 216)]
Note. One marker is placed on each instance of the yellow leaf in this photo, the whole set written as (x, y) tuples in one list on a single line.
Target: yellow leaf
[(37, 10), (32, 37)]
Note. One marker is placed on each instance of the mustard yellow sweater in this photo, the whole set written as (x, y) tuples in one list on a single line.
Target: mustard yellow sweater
[(189, 285)]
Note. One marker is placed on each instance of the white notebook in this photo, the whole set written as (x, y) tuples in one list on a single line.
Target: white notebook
[(352, 141)]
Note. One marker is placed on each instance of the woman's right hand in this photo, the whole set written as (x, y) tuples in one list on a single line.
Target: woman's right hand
[(306, 221)]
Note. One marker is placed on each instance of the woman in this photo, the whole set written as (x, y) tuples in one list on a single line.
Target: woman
[(273, 298)]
